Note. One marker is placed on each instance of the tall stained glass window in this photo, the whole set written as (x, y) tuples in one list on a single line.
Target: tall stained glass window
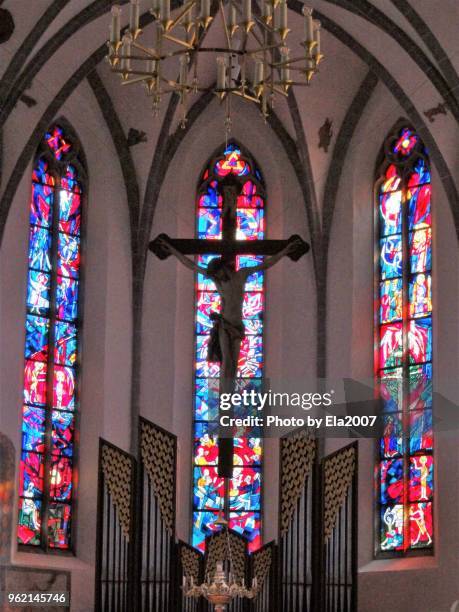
[(404, 356), (242, 502), (50, 400)]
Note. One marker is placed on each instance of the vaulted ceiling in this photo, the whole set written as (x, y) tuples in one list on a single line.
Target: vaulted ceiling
[(408, 48)]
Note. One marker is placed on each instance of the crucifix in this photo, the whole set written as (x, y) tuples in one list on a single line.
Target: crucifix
[(228, 328)]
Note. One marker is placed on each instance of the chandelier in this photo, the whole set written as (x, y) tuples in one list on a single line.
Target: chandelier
[(221, 588), (253, 63)]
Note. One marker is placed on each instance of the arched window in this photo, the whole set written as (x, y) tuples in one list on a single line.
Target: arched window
[(46, 485), (404, 346), (241, 503)]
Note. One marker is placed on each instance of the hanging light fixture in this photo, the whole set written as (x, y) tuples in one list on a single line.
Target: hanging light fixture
[(254, 62), (221, 588)]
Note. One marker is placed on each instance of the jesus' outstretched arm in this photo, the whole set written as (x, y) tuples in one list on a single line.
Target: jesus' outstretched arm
[(166, 246), (268, 263)]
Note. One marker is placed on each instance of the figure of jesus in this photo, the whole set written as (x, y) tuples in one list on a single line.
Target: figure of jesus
[(228, 330)]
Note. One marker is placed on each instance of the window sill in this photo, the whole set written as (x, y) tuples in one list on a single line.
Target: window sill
[(52, 562), (397, 565)]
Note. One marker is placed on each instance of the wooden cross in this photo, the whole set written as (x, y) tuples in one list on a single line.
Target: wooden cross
[(229, 248)]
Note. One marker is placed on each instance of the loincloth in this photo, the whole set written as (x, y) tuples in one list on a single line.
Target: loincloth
[(235, 332)]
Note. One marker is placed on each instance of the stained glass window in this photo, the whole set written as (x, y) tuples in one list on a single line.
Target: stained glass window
[(242, 502), (404, 356), (46, 482)]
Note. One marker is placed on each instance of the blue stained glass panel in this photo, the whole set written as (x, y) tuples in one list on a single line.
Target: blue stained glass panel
[(203, 526), (69, 212), (33, 429), (41, 205), (209, 488), (211, 198), (69, 180), (68, 255), (254, 282), (420, 174), (41, 174), (206, 399), (205, 368), (392, 484), (245, 489), (210, 223), (391, 256), (421, 433), (204, 283), (31, 474), (38, 286), (391, 443), (67, 298), (250, 224), (62, 433), (39, 248), (65, 343), (36, 345)]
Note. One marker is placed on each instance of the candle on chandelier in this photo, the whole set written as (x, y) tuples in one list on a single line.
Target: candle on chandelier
[(232, 17), (205, 9), (221, 73), (247, 11), (126, 52), (317, 38), (165, 10), (134, 16), (308, 24), (283, 15), (285, 69), (183, 69), (267, 11), (258, 73), (115, 27), (155, 7)]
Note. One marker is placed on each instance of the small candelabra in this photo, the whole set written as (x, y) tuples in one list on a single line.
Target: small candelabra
[(221, 588)]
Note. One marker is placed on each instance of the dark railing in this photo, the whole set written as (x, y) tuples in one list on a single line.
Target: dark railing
[(156, 535), (297, 514), (114, 549), (263, 566), (339, 547)]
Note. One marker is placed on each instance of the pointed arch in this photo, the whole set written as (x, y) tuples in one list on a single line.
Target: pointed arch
[(52, 342), (403, 355), (242, 502)]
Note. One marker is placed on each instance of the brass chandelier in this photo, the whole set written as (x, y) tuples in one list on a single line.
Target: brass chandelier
[(254, 62)]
